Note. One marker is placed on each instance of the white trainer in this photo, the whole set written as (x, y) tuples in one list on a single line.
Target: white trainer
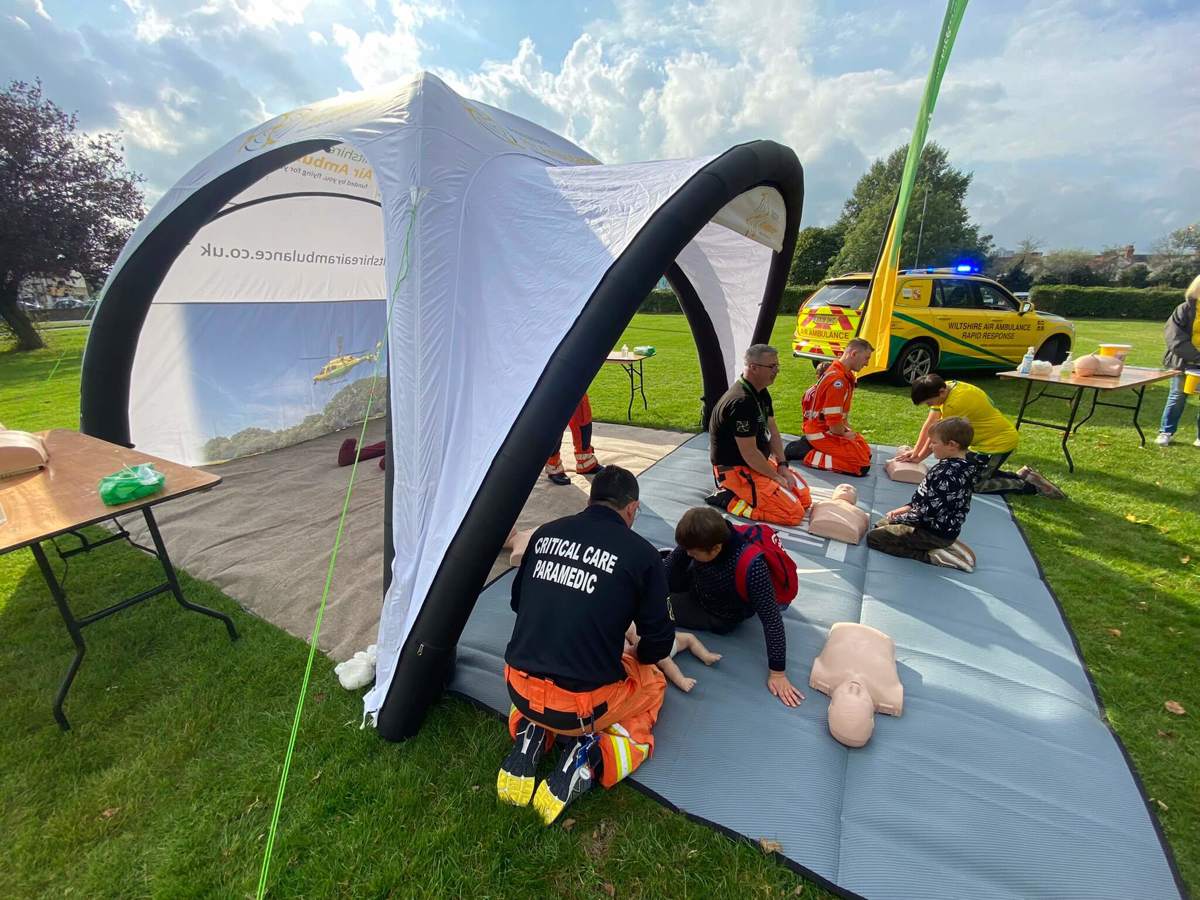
[(1163, 439)]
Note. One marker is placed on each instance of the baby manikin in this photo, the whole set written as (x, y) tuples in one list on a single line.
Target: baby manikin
[(839, 518), (684, 640), (857, 669)]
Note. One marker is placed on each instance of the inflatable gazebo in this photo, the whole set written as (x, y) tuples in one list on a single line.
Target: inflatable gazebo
[(480, 264)]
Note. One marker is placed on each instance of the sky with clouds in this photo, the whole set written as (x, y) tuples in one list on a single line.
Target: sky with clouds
[(1079, 118)]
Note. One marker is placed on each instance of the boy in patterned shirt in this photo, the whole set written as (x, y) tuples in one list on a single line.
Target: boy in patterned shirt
[(928, 527)]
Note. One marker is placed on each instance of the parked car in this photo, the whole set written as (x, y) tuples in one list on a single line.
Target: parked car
[(942, 319), (70, 303)]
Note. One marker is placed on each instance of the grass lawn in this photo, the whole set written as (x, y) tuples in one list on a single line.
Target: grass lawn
[(165, 786)]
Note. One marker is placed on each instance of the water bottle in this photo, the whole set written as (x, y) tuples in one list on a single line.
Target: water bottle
[(624, 349), (1026, 365), (1067, 369)]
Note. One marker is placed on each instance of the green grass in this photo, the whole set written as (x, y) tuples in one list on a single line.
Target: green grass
[(165, 786)]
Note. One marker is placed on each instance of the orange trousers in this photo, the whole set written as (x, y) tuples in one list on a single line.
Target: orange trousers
[(630, 709), (834, 453), (581, 436), (761, 499)]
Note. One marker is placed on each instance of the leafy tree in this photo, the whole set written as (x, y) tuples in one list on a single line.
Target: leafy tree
[(815, 249), (1016, 278), (1070, 267), (1137, 275), (1176, 259), (948, 236), (67, 201)]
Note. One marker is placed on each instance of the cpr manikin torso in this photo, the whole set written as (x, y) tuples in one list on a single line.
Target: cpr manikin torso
[(905, 472), (839, 518), (857, 669), (1094, 364)]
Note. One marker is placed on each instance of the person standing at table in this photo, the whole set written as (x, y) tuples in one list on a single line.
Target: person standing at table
[(1182, 333)]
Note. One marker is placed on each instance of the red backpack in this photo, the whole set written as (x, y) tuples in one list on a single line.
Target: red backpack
[(761, 540)]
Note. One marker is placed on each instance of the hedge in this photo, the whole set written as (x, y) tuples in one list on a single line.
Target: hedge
[(665, 302), (1076, 302)]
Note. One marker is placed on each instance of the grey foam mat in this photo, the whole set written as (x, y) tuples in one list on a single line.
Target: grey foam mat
[(1001, 779)]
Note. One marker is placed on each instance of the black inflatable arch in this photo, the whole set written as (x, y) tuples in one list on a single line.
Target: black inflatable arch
[(427, 656)]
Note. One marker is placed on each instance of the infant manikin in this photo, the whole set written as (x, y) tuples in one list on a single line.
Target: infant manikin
[(905, 472), (684, 640), (857, 669), (1095, 364), (839, 518)]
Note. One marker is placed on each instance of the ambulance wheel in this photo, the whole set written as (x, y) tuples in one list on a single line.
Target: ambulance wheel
[(1054, 350), (916, 359)]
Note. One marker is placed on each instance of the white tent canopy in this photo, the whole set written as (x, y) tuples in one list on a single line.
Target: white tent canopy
[(494, 261)]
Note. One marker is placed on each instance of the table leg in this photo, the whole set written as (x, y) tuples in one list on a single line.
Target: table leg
[(60, 600), (161, 549), (628, 367), (1070, 420), (1137, 409), (1091, 412), (642, 382), (1024, 403)]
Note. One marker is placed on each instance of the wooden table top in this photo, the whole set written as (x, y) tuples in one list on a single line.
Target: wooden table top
[(618, 357), (1131, 376), (66, 494)]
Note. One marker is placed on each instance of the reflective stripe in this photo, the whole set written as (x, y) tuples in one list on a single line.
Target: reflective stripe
[(738, 509), (830, 410), (815, 436)]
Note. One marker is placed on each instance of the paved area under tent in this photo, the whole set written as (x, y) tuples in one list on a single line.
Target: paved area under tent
[(264, 536)]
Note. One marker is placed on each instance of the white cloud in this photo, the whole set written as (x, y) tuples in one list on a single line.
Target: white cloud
[(317, 39), (19, 21), (39, 8), (377, 57)]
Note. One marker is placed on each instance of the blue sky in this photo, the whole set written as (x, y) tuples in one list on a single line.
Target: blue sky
[(1079, 118)]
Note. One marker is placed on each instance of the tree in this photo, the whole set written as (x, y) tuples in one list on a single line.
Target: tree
[(1070, 267), (1176, 259), (815, 249), (1137, 276), (67, 201), (948, 236), (1016, 278)]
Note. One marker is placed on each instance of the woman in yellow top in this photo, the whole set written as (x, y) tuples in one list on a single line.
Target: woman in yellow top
[(995, 437)]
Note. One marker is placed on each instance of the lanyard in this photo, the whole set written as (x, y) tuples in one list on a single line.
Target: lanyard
[(754, 396)]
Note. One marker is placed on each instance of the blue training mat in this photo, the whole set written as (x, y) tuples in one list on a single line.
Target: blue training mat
[(1001, 779)]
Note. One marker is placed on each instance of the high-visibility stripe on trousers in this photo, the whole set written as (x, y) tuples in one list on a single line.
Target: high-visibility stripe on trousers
[(761, 499), (834, 453), (581, 436), (625, 713)]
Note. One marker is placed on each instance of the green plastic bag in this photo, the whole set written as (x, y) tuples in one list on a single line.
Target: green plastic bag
[(131, 483), (645, 350)]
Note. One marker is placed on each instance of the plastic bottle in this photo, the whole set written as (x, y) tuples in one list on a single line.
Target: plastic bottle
[(624, 349), (1026, 365), (1067, 369)]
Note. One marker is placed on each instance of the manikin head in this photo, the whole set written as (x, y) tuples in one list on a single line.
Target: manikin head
[(617, 489), (762, 365), (851, 713), (857, 354), (846, 492), (702, 532), (930, 390)]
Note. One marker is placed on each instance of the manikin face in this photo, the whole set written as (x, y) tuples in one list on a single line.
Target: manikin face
[(851, 714), (855, 359), (941, 449), (705, 556)]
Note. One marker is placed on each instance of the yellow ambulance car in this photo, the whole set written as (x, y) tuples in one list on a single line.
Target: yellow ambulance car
[(943, 319)]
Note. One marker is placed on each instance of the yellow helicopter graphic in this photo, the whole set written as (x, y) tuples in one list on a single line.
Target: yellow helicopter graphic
[(343, 363)]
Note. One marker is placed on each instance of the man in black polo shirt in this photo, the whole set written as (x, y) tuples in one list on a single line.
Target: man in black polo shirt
[(746, 450), (583, 579)]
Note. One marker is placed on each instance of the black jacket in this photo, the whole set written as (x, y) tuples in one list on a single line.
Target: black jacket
[(583, 579), (1181, 352)]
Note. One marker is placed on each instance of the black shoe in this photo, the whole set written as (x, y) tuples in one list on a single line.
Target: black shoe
[(571, 778), (515, 781), (797, 450), (720, 499), (558, 478)]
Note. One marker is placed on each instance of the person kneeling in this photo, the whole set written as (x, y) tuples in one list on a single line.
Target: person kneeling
[(719, 577), (829, 443), (927, 528), (582, 581)]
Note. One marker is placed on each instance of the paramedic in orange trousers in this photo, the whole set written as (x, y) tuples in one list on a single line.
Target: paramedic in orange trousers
[(746, 451), (829, 443), (583, 580)]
